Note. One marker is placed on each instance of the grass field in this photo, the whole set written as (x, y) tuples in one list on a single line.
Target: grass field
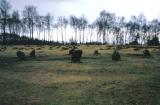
[(51, 78)]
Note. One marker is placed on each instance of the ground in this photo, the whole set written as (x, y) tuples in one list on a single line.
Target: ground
[(51, 78)]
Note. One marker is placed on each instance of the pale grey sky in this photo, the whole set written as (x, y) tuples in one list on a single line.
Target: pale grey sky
[(92, 8)]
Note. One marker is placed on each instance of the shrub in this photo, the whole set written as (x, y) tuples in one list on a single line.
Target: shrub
[(153, 42), (39, 48), (15, 48), (136, 49), (96, 52), (109, 47), (64, 48), (116, 56), (102, 49), (76, 55), (58, 47), (94, 43), (3, 49), (32, 53), (146, 53), (50, 48), (21, 55)]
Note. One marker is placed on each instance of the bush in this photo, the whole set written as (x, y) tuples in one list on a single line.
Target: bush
[(153, 42), (116, 56), (136, 49), (76, 55), (50, 48), (21, 55), (58, 47), (39, 48), (3, 49), (109, 47), (96, 52), (33, 53), (64, 48), (146, 53), (94, 43)]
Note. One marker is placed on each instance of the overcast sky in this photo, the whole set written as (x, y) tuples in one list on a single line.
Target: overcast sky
[(92, 8)]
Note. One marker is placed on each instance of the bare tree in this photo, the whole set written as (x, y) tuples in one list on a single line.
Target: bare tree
[(56, 27), (118, 30), (30, 14), (16, 22), (10, 24), (142, 22), (4, 10), (74, 24), (104, 23), (39, 25), (91, 28), (82, 24), (60, 23), (48, 19), (65, 23), (133, 27)]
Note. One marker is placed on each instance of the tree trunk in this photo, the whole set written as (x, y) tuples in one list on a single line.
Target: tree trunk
[(57, 34), (80, 37), (75, 34), (32, 30), (104, 34), (83, 35), (62, 35)]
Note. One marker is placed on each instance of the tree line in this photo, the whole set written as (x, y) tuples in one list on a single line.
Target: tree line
[(106, 29)]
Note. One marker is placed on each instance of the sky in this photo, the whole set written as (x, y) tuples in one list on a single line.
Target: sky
[(92, 8)]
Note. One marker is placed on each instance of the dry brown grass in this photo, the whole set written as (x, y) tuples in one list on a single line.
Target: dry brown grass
[(51, 78)]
